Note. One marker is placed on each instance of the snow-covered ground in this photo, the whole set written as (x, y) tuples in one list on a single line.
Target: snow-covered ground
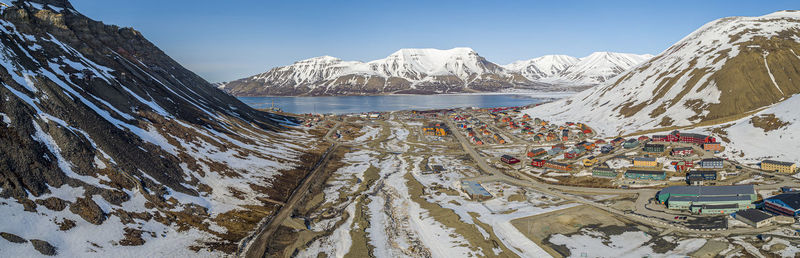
[(592, 243), (749, 144)]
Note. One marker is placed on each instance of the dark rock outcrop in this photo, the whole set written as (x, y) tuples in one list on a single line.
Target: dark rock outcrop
[(53, 203), (88, 210), (12, 238), (43, 247)]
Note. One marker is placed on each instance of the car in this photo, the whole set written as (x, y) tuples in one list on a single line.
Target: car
[(677, 217)]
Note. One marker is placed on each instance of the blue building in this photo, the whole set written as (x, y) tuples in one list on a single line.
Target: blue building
[(475, 190), (786, 204)]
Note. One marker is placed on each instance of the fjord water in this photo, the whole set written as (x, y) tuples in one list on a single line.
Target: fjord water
[(384, 103)]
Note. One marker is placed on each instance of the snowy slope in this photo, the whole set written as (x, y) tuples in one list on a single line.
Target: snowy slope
[(601, 66), (750, 144), (108, 147), (543, 67), (724, 69)]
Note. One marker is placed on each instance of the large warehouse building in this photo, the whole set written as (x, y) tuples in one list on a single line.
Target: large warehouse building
[(708, 199)]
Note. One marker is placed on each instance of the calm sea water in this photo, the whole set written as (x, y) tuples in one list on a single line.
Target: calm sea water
[(360, 104)]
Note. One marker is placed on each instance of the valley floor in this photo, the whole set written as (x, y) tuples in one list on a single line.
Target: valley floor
[(393, 191)]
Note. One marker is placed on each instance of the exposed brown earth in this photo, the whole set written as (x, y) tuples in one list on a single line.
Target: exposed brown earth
[(768, 122)]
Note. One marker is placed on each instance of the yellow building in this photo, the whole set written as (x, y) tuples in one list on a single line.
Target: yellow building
[(435, 130), (644, 162), (590, 161), (779, 166)]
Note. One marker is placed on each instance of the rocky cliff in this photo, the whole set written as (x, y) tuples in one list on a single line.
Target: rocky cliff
[(106, 142)]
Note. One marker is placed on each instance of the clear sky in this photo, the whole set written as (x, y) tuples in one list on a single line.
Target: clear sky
[(226, 40)]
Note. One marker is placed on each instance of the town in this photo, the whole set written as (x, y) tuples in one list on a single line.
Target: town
[(673, 181)]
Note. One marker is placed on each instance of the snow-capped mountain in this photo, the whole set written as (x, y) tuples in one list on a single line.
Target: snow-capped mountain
[(561, 69), (548, 66), (601, 66), (424, 71), (723, 71), (108, 147), (407, 70)]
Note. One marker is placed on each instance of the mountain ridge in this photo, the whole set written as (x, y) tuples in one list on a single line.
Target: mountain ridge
[(726, 69), (104, 132), (423, 70)]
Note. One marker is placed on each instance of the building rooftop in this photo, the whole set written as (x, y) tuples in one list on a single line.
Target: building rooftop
[(557, 163), (717, 206), (781, 163), (605, 169), (709, 190), (790, 199), (693, 135), (682, 148), (753, 215), (473, 187), (700, 173), (712, 160), (644, 159), (729, 198), (649, 172)]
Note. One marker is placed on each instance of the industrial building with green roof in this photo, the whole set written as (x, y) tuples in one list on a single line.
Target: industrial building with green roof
[(708, 199)]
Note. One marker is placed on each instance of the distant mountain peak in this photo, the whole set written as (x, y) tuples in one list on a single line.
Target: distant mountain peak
[(562, 69)]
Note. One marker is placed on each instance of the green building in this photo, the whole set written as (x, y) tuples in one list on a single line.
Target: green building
[(653, 148), (604, 172), (708, 199), (630, 143), (645, 174)]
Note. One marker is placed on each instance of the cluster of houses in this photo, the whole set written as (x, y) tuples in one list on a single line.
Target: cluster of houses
[(436, 129), (544, 131), (476, 129)]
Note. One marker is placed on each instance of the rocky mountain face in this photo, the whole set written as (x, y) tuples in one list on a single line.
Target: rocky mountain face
[(426, 71), (566, 70), (107, 143), (723, 71)]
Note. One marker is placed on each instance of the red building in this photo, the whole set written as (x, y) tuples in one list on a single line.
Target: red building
[(683, 151), (537, 162), (676, 136), (682, 165), (508, 159)]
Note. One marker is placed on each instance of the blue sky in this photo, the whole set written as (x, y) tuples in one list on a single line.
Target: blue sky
[(226, 40)]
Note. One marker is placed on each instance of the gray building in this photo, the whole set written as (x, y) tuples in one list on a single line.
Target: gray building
[(711, 163)]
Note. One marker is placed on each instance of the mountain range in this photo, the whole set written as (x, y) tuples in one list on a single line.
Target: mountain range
[(735, 72), (431, 71)]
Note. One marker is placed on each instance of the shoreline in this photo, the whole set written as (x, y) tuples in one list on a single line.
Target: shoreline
[(543, 94)]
